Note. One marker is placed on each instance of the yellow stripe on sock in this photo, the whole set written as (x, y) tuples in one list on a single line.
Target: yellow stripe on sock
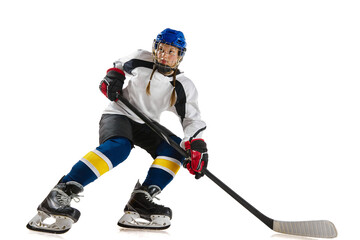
[(172, 164), (99, 163)]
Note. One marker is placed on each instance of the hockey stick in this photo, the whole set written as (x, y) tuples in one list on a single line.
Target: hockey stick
[(318, 229)]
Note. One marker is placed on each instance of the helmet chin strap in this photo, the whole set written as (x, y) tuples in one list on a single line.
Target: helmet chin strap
[(164, 69)]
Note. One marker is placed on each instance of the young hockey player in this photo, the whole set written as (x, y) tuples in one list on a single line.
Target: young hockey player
[(155, 84)]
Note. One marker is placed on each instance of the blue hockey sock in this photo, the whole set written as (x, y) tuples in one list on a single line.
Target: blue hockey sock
[(99, 161)]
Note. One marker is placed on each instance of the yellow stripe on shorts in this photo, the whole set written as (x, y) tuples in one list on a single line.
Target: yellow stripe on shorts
[(96, 161), (171, 165)]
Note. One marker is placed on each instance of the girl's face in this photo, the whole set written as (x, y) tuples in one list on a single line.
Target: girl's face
[(167, 54)]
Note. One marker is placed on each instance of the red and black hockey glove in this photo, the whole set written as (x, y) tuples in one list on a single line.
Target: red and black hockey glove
[(112, 83), (199, 157)]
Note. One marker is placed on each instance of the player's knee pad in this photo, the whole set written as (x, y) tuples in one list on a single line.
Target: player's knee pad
[(165, 165), (108, 155), (116, 150)]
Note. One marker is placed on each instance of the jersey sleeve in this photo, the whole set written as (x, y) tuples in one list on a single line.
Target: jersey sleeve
[(187, 108)]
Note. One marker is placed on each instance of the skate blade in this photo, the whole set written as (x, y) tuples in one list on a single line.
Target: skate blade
[(133, 220), (61, 225)]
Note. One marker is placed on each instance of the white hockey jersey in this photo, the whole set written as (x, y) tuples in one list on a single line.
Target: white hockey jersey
[(138, 68)]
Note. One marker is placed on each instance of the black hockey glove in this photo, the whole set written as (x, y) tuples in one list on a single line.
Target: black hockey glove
[(199, 157), (112, 83)]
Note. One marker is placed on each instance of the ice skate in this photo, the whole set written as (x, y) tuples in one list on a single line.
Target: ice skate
[(56, 208), (141, 212)]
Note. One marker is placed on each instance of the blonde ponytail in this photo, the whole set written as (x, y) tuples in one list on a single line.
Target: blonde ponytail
[(173, 94), (148, 85)]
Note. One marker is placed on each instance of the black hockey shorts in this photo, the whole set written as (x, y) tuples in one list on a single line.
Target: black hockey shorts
[(114, 125)]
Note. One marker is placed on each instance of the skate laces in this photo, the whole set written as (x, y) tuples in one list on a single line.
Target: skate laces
[(150, 198), (147, 195), (154, 193), (65, 199)]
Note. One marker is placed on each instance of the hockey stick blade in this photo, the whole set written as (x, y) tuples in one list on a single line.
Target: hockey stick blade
[(316, 229)]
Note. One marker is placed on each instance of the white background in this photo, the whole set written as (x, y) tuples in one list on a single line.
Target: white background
[(279, 89)]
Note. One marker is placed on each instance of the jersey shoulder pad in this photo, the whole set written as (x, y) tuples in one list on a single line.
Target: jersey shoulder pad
[(142, 58), (139, 58)]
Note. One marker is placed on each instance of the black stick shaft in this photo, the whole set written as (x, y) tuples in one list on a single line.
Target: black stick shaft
[(154, 126), (268, 221)]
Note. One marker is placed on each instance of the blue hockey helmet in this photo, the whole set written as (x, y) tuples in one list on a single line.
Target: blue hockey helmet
[(173, 38)]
